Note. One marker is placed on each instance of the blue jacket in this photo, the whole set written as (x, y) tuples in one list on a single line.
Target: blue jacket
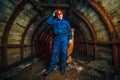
[(60, 26)]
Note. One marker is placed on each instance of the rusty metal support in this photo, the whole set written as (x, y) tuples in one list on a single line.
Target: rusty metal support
[(86, 40), (7, 30), (84, 34), (101, 43), (34, 36), (35, 39), (25, 33), (44, 31), (47, 38), (116, 58), (90, 28), (111, 29), (37, 30), (105, 18), (86, 22), (80, 38), (45, 34)]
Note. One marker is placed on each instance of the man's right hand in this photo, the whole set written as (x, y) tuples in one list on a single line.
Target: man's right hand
[(53, 14)]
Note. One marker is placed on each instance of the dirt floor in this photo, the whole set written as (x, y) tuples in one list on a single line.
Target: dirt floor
[(73, 72), (77, 70)]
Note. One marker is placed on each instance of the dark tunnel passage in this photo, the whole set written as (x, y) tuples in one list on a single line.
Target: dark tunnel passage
[(26, 40)]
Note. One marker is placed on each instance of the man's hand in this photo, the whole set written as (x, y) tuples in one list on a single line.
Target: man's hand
[(53, 14), (70, 41)]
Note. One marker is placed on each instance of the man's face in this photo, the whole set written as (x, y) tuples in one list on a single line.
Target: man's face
[(60, 16)]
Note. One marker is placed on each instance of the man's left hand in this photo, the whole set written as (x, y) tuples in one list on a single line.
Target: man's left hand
[(70, 41)]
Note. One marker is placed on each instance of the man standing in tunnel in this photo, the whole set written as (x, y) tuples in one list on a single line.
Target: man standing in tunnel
[(62, 38)]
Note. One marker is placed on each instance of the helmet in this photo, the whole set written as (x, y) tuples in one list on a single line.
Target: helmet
[(58, 12)]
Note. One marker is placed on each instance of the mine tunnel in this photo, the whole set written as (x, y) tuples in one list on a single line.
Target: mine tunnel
[(26, 40)]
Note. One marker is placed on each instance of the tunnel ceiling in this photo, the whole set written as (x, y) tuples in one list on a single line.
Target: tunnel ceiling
[(22, 22), (82, 12)]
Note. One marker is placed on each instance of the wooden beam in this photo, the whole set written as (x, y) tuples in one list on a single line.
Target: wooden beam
[(86, 21), (111, 29), (25, 33), (37, 29), (53, 5), (45, 5), (7, 31), (18, 45), (105, 18), (84, 33)]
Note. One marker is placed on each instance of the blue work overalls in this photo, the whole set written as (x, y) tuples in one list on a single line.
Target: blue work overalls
[(62, 33)]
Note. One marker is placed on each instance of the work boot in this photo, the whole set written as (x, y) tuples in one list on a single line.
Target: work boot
[(62, 71), (47, 72)]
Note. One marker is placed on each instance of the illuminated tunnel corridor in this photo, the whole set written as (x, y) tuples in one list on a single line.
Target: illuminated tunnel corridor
[(26, 39)]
